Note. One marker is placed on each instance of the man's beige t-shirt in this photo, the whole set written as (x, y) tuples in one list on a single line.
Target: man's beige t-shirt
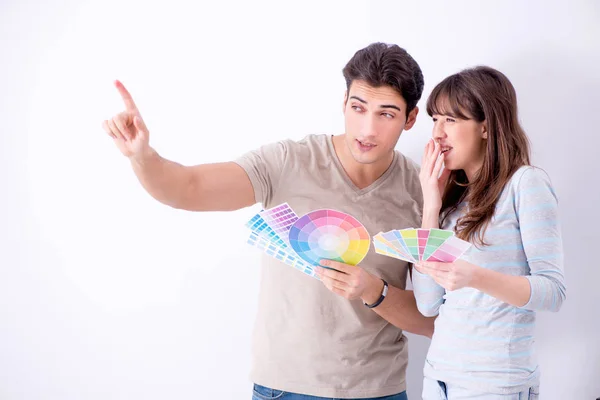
[(307, 339)]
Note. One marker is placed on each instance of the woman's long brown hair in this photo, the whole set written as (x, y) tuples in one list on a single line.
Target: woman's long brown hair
[(482, 94)]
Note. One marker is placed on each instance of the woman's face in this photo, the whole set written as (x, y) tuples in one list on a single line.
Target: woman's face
[(463, 142)]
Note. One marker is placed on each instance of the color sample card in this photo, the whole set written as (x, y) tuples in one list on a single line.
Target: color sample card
[(410, 240), (331, 235), (303, 242), (382, 246), (395, 241), (414, 245), (280, 219), (450, 250), (258, 225), (280, 253), (436, 238), (422, 236)]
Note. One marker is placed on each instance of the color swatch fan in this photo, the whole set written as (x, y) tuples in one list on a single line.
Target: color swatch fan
[(330, 235), (414, 245), (304, 242), (271, 240)]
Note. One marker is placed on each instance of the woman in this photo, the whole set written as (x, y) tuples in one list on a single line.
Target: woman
[(490, 195)]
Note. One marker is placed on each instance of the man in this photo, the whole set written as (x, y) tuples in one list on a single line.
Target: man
[(307, 340)]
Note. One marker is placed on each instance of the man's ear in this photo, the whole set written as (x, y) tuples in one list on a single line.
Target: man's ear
[(345, 101), (412, 118)]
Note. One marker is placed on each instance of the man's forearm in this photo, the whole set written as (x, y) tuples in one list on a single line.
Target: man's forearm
[(400, 309), (165, 180)]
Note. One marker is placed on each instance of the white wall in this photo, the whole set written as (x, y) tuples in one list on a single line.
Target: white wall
[(106, 294)]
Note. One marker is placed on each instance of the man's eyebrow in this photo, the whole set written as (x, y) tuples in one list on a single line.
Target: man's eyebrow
[(382, 106), (359, 99), (390, 106)]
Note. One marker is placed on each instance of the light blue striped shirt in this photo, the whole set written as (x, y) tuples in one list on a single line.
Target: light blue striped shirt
[(480, 342)]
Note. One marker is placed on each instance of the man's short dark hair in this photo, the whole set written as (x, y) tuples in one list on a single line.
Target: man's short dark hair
[(381, 64)]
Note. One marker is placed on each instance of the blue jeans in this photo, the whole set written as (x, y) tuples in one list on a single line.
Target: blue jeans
[(264, 393), (436, 390)]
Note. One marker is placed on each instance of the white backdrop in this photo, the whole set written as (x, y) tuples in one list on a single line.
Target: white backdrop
[(106, 294)]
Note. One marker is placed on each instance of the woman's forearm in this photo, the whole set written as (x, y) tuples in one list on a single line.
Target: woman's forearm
[(514, 290)]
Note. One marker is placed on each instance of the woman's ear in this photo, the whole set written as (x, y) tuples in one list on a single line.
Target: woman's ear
[(484, 130)]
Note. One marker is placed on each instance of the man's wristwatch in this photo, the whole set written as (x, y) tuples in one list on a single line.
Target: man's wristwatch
[(383, 294)]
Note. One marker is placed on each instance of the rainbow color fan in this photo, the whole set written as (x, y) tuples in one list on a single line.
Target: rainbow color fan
[(414, 245)]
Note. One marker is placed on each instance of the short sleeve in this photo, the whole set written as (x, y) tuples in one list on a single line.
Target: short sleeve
[(264, 167)]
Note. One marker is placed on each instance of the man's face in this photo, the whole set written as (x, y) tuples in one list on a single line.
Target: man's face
[(374, 117)]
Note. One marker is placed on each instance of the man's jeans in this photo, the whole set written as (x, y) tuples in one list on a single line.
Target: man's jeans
[(264, 393)]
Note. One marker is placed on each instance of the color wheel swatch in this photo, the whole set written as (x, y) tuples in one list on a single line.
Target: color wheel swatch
[(303, 242), (330, 235), (414, 245)]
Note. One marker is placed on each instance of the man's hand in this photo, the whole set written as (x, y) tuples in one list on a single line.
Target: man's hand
[(127, 128), (399, 308), (350, 282)]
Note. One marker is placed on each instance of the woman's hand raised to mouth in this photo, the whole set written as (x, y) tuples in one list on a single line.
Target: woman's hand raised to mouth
[(432, 182)]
